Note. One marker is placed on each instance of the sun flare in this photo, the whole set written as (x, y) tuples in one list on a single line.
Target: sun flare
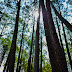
[(36, 14)]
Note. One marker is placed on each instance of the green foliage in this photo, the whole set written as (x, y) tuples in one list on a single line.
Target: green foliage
[(46, 65), (6, 42), (47, 68), (5, 47), (8, 16), (70, 2), (24, 60), (20, 19)]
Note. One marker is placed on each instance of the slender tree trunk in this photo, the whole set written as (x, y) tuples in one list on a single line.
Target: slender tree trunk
[(29, 60), (36, 60), (20, 49), (66, 41), (4, 51), (41, 54), (67, 46), (3, 28), (71, 45), (71, 42), (69, 26), (59, 33), (1, 16), (20, 64), (56, 53), (11, 59), (3, 55), (5, 65), (19, 68)]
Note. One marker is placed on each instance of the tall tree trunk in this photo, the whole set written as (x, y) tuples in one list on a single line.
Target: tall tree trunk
[(48, 38), (20, 64), (11, 59), (20, 49), (5, 65), (67, 46), (66, 41), (36, 60), (41, 54), (29, 60), (59, 33), (59, 52), (4, 51), (69, 26), (56, 53), (3, 55)]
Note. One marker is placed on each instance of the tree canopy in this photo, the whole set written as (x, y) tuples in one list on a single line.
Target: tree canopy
[(35, 35)]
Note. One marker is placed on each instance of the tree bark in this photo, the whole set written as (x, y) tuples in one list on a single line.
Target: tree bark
[(20, 49), (36, 59), (59, 52), (20, 64), (59, 33), (69, 26), (67, 46), (41, 54), (48, 37), (56, 53), (5, 65), (66, 41), (29, 60), (11, 59)]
